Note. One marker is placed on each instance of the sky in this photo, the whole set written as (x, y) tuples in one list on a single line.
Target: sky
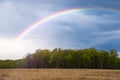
[(98, 28)]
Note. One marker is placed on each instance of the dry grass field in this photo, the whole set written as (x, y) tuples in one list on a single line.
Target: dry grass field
[(59, 74)]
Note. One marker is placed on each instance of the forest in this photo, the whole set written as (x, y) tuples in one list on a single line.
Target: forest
[(90, 58)]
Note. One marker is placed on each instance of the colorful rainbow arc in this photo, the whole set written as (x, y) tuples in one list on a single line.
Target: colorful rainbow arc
[(25, 32), (34, 25)]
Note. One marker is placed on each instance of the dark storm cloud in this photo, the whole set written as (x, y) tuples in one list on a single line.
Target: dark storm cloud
[(92, 28)]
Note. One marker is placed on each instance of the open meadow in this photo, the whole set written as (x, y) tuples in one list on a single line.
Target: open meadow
[(59, 74)]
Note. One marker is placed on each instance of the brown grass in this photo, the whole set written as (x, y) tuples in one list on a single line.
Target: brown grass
[(59, 74)]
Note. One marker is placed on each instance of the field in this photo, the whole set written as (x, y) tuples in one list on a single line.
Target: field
[(59, 74)]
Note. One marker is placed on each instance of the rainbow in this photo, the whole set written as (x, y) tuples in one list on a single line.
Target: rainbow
[(47, 18)]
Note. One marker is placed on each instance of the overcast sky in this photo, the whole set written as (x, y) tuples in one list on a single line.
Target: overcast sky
[(98, 28)]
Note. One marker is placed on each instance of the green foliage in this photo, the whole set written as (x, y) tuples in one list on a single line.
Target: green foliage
[(66, 58)]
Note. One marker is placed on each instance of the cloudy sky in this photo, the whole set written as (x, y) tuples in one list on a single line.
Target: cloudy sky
[(99, 27)]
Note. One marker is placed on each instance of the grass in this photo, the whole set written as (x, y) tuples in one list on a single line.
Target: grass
[(59, 74)]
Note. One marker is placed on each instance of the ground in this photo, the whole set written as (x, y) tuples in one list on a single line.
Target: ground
[(59, 74)]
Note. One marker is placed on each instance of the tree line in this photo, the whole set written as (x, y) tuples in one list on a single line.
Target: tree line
[(66, 58)]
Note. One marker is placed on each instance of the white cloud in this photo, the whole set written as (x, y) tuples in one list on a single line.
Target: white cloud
[(12, 49), (113, 32), (67, 28)]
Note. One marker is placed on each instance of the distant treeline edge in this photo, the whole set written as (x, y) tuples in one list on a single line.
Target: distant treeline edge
[(90, 58)]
